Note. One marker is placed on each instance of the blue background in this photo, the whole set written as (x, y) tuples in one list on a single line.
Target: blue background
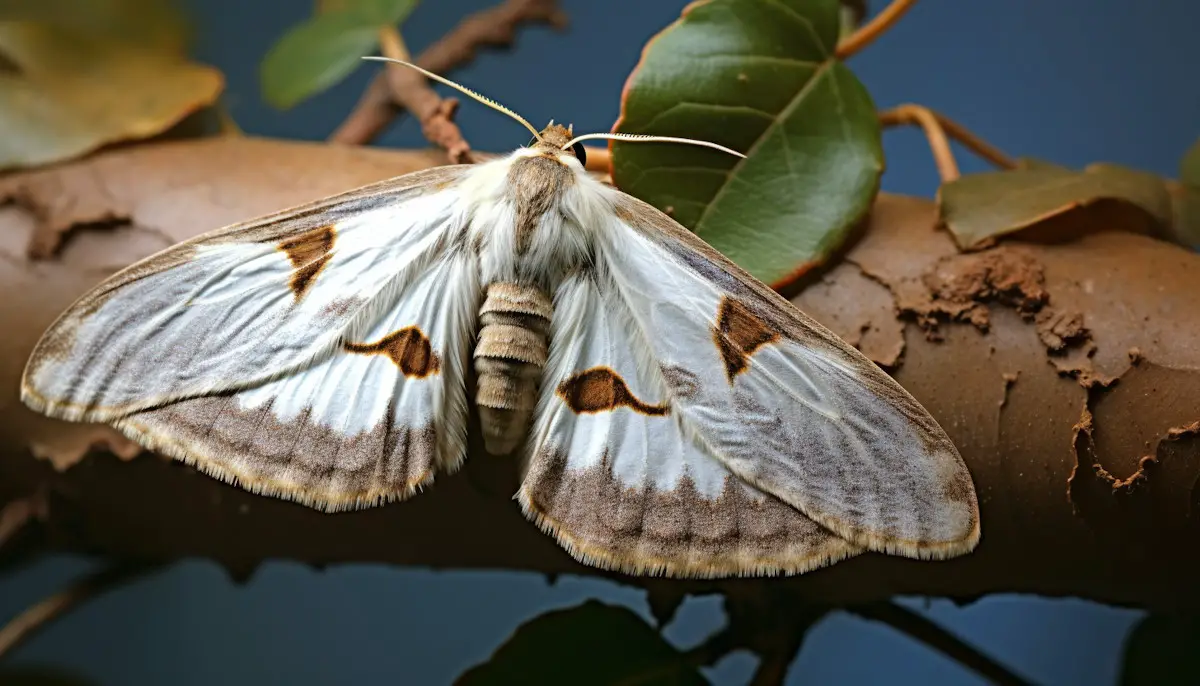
[(1073, 81)]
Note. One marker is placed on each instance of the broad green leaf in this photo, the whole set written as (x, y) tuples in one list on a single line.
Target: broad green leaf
[(1162, 650), (1189, 168), (758, 77), (592, 643), (977, 208), (67, 94), (155, 24), (318, 53)]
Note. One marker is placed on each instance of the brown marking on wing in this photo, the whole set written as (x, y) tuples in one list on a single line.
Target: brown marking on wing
[(309, 253), (409, 348), (738, 334), (600, 389)]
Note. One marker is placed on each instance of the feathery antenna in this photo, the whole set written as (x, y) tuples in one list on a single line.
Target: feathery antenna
[(461, 89), (643, 138)]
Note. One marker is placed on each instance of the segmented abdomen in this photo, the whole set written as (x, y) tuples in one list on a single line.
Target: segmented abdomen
[(510, 355)]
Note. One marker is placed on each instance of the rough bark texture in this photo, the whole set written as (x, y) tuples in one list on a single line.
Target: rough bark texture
[(1067, 371)]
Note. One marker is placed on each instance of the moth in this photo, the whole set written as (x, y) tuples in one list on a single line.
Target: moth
[(671, 414)]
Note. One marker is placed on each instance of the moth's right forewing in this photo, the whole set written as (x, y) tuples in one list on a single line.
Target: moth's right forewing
[(244, 304), (784, 403)]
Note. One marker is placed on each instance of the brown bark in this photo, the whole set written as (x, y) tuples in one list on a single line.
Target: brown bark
[(1068, 373)]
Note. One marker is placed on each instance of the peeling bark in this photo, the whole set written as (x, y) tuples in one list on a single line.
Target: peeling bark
[(1087, 467)]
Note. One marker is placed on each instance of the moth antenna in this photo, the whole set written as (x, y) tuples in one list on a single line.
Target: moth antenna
[(643, 138), (461, 89)]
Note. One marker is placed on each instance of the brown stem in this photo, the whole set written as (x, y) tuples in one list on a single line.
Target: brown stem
[(495, 27), (865, 35), (45, 611), (937, 127), (933, 635), (19, 512), (598, 160)]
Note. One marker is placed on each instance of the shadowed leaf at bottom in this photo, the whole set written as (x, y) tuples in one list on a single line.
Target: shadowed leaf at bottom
[(592, 643), (1162, 650)]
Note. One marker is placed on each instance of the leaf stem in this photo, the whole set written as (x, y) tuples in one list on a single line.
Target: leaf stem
[(47, 610), (933, 635), (938, 129), (866, 34)]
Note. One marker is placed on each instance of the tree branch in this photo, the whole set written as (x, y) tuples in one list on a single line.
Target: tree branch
[(873, 29), (953, 328), (495, 27), (937, 127)]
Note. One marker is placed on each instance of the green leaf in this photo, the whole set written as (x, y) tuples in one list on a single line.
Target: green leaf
[(1189, 167), (977, 208), (761, 78), (153, 24), (318, 53), (1162, 650), (1036, 163), (63, 94), (1186, 225), (592, 643)]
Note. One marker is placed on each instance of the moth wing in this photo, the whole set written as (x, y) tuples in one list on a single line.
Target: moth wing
[(782, 402), (316, 355), (241, 305), (370, 422), (617, 477)]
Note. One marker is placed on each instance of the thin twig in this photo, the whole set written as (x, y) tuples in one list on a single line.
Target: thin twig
[(937, 128), (931, 634), (43, 612), (410, 90), (865, 35), (496, 27)]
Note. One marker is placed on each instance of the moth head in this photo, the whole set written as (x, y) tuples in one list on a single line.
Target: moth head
[(556, 138)]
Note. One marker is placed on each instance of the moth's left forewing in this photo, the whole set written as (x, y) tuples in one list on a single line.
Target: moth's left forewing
[(784, 403)]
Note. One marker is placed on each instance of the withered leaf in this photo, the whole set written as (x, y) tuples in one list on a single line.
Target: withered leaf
[(977, 208), (65, 93)]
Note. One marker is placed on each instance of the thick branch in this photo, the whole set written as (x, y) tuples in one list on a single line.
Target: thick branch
[(494, 27), (969, 335)]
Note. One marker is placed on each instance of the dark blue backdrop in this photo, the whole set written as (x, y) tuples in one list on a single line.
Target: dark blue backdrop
[(1073, 81)]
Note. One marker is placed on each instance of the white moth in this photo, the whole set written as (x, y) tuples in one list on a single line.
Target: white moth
[(673, 414)]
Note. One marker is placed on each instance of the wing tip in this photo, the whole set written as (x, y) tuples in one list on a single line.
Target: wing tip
[(600, 558)]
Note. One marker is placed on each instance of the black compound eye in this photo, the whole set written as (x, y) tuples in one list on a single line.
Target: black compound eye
[(580, 153)]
